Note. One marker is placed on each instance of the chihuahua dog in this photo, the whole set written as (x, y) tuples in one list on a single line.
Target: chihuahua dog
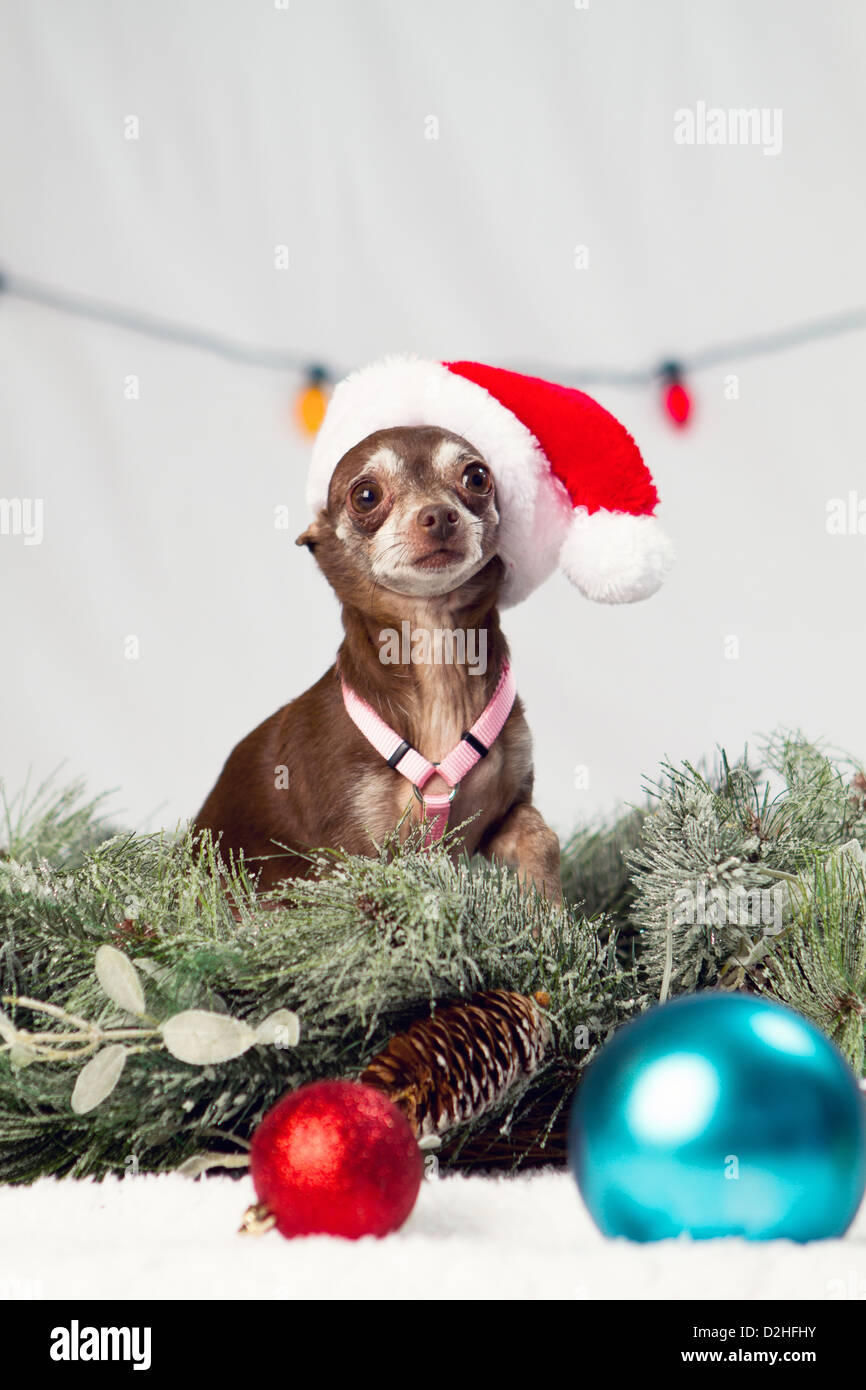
[(408, 542)]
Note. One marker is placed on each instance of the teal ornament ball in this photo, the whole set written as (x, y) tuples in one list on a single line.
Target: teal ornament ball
[(719, 1115)]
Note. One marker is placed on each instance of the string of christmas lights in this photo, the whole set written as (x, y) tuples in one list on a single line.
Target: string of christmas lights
[(670, 376)]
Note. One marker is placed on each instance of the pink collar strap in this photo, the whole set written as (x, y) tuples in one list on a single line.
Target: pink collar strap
[(473, 746)]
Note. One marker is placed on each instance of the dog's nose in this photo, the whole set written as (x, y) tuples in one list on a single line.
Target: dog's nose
[(438, 521)]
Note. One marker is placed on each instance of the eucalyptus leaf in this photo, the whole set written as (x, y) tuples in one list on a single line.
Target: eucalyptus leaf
[(20, 1055), (280, 1029), (149, 967), (8, 1031), (120, 980), (98, 1078), (203, 1162), (200, 1037)]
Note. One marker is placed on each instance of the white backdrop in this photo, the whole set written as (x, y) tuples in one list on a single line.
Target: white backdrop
[(305, 126)]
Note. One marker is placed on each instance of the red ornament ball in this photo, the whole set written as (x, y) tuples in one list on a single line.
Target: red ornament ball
[(336, 1158)]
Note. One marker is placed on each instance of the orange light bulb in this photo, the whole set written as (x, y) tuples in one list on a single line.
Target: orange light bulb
[(310, 406)]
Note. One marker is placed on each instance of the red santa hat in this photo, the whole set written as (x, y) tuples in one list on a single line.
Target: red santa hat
[(571, 486)]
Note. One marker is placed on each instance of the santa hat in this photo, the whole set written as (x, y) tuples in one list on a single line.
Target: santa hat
[(571, 486)]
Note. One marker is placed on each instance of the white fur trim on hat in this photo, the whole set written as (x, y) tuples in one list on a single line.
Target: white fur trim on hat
[(613, 557)]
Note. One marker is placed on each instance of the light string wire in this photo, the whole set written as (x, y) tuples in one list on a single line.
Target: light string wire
[(277, 360)]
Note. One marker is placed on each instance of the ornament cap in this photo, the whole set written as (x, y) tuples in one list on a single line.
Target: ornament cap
[(257, 1220)]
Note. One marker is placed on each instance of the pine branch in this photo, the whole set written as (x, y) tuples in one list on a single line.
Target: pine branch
[(818, 965), (56, 824), (716, 851), (597, 875)]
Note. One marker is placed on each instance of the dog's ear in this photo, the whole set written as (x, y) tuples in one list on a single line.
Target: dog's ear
[(312, 536)]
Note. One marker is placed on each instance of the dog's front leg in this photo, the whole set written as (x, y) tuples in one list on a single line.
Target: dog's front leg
[(525, 842)]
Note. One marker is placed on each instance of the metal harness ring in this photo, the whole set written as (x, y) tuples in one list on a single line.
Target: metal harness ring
[(420, 794)]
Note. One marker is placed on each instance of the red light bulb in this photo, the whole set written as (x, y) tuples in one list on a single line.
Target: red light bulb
[(677, 401)]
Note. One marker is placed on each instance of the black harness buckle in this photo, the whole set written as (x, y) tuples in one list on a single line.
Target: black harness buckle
[(399, 753), (469, 737)]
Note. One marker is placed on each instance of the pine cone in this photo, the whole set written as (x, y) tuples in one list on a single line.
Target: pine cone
[(456, 1065)]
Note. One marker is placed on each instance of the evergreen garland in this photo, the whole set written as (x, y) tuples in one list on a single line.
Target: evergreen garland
[(366, 946), (358, 952)]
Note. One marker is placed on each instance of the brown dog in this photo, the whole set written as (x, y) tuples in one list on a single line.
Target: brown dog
[(408, 541)]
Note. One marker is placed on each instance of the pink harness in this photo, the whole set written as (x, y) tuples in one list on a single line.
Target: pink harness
[(473, 746)]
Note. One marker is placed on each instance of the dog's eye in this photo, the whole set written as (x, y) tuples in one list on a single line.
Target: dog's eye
[(477, 479), (365, 497)]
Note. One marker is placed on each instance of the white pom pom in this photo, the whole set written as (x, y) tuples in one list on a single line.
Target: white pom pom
[(614, 557)]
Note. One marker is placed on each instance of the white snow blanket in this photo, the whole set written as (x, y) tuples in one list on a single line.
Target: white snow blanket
[(473, 1237)]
